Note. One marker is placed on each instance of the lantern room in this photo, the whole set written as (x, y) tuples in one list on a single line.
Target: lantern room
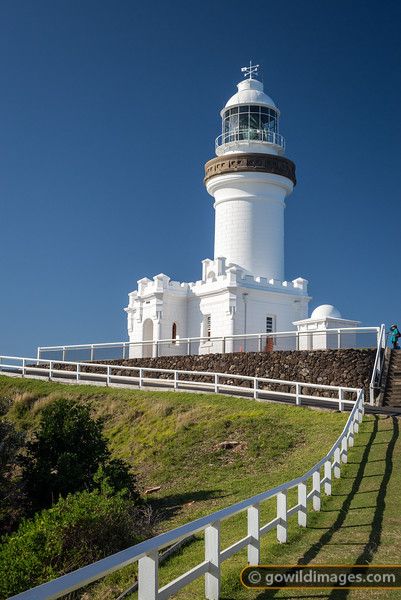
[(250, 122)]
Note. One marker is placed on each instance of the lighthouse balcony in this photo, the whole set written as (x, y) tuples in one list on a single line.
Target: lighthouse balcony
[(251, 140)]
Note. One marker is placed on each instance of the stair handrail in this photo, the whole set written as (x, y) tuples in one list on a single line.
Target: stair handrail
[(378, 364)]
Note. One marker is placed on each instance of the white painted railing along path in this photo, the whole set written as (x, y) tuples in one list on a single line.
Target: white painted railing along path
[(140, 377), (309, 489)]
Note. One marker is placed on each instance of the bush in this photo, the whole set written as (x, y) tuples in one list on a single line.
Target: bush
[(68, 454), (11, 496), (76, 531)]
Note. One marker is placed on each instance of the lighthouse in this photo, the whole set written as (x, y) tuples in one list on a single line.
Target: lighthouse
[(250, 180), (243, 289)]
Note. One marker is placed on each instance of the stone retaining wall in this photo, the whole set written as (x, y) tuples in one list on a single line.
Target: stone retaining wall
[(348, 368)]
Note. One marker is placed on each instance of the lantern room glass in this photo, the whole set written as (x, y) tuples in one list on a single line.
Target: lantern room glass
[(249, 122)]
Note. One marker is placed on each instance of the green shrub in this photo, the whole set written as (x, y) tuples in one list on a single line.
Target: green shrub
[(69, 454), (76, 531)]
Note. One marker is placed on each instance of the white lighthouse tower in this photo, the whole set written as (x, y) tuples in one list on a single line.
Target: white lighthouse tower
[(243, 289), (250, 180)]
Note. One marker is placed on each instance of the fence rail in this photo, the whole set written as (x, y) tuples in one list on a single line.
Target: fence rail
[(140, 377), (309, 487), (346, 337)]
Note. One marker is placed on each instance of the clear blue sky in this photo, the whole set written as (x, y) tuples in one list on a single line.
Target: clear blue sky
[(108, 112)]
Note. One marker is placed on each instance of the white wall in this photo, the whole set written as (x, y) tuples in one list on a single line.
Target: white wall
[(249, 221)]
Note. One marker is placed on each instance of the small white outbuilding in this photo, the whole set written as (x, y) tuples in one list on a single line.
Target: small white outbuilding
[(321, 330)]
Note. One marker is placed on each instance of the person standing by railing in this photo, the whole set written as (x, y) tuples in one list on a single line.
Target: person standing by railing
[(395, 335)]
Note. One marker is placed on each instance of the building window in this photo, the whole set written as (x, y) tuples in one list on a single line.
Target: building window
[(174, 333), (249, 122), (270, 340), (269, 324), (208, 327)]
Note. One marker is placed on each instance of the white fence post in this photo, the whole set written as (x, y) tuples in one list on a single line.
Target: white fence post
[(148, 576), (371, 394), (339, 339), (260, 343), (108, 375), (255, 388), (92, 351), (212, 556), (297, 394), (23, 367), (327, 477), (282, 515), (175, 380), (223, 345), (316, 490), (50, 369), (302, 501), (216, 383), (140, 382), (340, 399), (78, 372), (351, 436), (356, 424), (344, 449), (337, 463), (254, 532)]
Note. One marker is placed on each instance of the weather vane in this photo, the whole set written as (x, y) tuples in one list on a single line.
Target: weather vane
[(251, 70)]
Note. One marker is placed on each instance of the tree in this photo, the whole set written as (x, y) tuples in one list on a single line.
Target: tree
[(68, 450)]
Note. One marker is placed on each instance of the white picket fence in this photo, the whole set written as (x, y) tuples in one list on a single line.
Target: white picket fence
[(146, 554)]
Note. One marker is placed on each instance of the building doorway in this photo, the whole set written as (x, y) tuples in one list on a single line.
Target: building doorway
[(147, 350)]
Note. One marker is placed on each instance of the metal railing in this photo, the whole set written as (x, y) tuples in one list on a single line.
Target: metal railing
[(346, 337), (308, 488), (250, 135), (378, 365)]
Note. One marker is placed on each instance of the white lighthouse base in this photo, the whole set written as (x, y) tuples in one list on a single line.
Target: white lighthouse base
[(225, 302)]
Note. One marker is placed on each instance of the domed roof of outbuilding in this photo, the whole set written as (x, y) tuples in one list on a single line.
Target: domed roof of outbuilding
[(324, 311), (250, 91)]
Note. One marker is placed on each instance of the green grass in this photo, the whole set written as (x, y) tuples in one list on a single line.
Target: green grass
[(172, 440)]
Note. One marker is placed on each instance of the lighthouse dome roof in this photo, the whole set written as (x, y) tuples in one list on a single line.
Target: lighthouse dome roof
[(324, 311), (250, 91)]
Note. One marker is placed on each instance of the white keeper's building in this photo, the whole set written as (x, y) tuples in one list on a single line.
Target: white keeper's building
[(243, 289)]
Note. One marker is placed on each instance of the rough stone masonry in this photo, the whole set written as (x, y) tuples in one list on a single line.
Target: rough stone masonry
[(346, 368)]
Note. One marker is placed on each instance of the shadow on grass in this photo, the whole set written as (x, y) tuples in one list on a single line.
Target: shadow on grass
[(370, 547), (374, 541), (169, 506)]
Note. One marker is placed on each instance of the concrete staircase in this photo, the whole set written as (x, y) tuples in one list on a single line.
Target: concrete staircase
[(392, 395)]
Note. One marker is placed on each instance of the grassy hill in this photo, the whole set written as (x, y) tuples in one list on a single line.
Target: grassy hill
[(173, 440)]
